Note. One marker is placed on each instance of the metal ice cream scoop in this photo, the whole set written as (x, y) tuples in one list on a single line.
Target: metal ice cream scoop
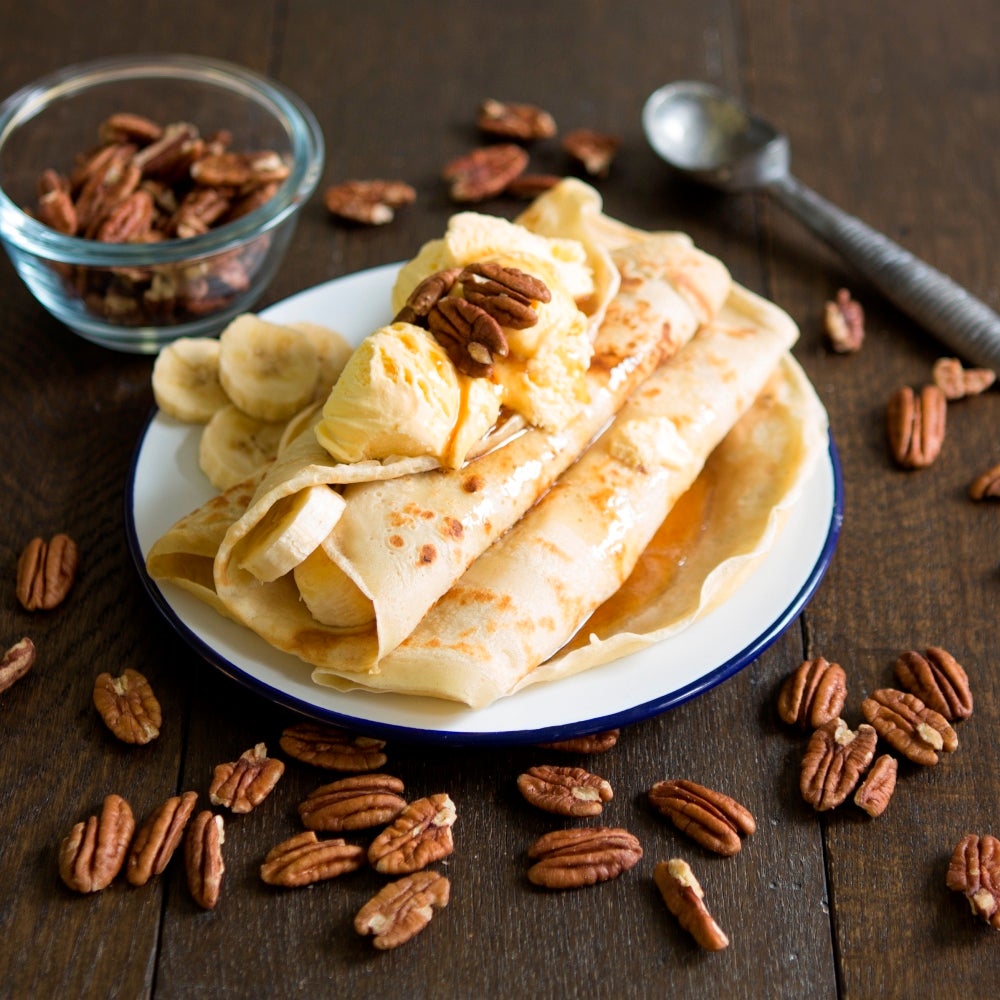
[(703, 133)]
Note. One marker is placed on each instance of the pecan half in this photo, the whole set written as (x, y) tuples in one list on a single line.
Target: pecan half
[(130, 221), (713, 819), (420, 835), (239, 170), (566, 791), (986, 485), (94, 852), (908, 725), (128, 706), (203, 858), (569, 859), (402, 909), (833, 763), (874, 792), (957, 382), (515, 121), (813, 694), (594, 150), (937, 679), (354, 803), (126, 126), (305, 859), (484, 172), (55, 205), (16, 662), (506, 293), (915, 426), (685, 899), (844, 322), (372, 203), (332, 749), (241, 785), (974, 870), (530, 186), (592, 743), (471, 337), (426, 295), (158, 838), (46, 571)]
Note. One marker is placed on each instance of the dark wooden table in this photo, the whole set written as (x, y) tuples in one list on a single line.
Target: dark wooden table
[(892, 109)]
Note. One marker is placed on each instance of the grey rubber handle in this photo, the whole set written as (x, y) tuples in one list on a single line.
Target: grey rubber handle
[(961, 321)]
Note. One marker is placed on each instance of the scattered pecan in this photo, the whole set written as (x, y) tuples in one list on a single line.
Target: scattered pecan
[(844, 322), (713, 819), (471, 337), (402, 909), (530, 186), (46, 571), (427, 294), (569, 859), (813, 694), (592, 743), (566, 791), (908, 725), (16, 662), (371, 203), (203, 858), (94, 852), (158, 838), (915, 426), (354, 803), (685, 899), (974, 870), (128, 706), (874, 792), (305, 859), (957, 382), (523, 122), (333, 749), (595, 150), (833, 763), (241, 785), (506, 293), (484, 172), (987, 485), (420, 835), (937, 679)]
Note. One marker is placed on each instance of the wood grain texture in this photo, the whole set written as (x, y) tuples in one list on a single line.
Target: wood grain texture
[(892, 112)]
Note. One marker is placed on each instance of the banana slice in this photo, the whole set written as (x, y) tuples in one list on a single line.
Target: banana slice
[(234, 445), (332, 353), (331, 596), (268, 371), (289, 531), (186, 380)]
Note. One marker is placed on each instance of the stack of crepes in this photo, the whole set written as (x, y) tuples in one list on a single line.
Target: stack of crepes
[(560, 549)]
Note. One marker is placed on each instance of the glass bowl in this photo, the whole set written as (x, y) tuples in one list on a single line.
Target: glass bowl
[(184, 277)]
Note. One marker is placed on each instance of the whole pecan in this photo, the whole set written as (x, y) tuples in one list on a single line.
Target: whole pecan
[(46, 571), (16, 662), (370, 202), (402, 909), (354, 803), (714, 820), (523, 122), (986, 485), (937, 679), (484, 172), (591, 743), (974, 870), (426, 295), (844, 321), (508, 294), (813, 694), (158, 838), (333, 749), (874, 792), (833, 763), (594, 150), (305, 859), (241, 785), (94, 852), (203, 858), (915, 425), (128, 706), (569, 859), (566, 791), (419, 835), (956, 381), (685, 899), (908, 725), (471, 337)]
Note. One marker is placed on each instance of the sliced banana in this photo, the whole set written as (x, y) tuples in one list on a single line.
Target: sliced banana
[(331, 596), (269, 371), (234, 445), (186, 380), (289, 531), (332, 353)]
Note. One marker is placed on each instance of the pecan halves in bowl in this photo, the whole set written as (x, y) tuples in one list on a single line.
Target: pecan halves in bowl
[(909, 726), (46, 571), (974, 870), (402, 909), (94, 852), (582, 856), (833, 762), (711, 818), (915, 425)]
